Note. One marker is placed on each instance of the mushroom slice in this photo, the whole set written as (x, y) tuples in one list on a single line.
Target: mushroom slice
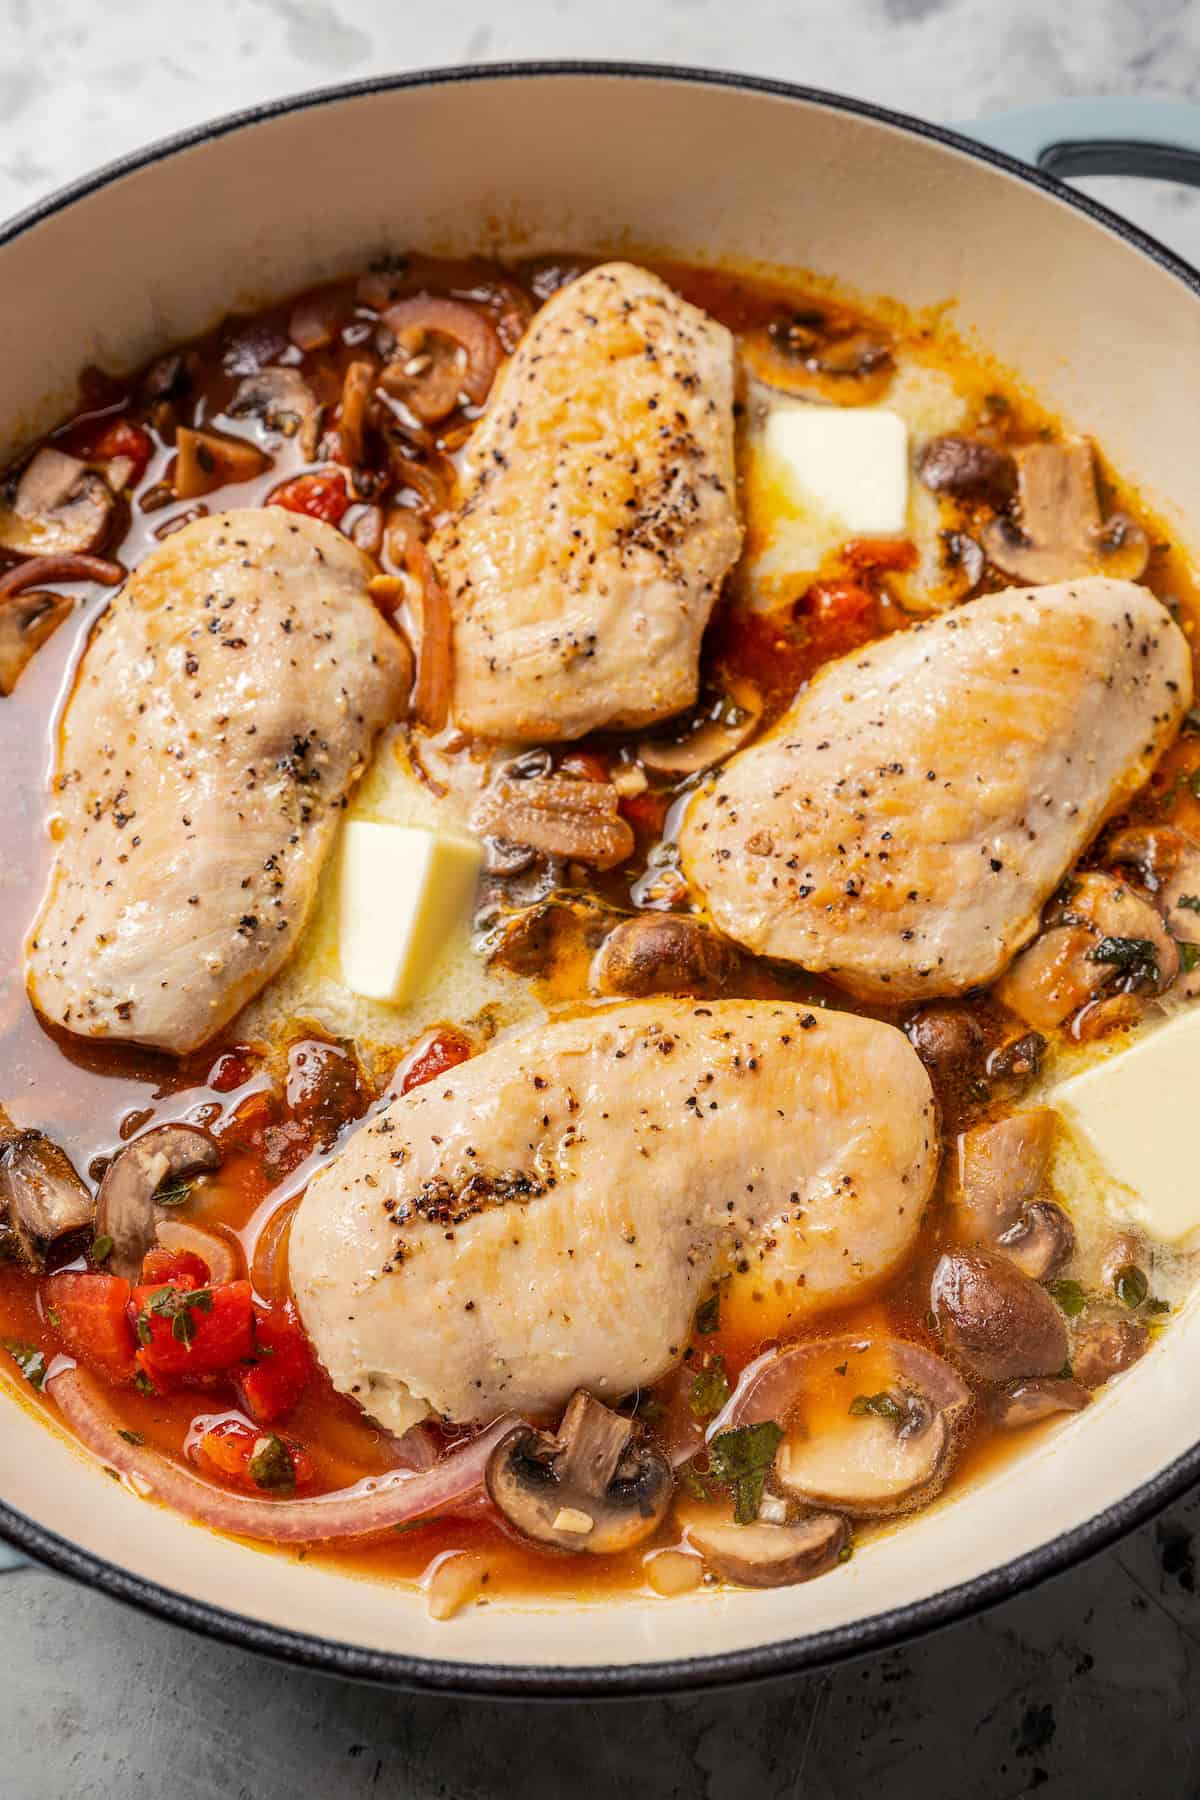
[(662, 953), (1001, 1168), (1041, 1241), (41, 1196), (597, 1485), (207, 460), (358, 385), (446, 353), (1168, 861), (60, 506), (1062, 535), (969, 469), (1102, 1351), (26, 621), (562, 815), (730, 723), (1029, 1402), (1054, 977), (995, 1321), (764, 1555), (279, 396), (126, 1208)]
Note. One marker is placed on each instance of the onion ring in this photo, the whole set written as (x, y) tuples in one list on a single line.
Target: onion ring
[(433, 391)]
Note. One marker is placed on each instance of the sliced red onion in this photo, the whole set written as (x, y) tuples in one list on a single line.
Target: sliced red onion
[(369, 1509)]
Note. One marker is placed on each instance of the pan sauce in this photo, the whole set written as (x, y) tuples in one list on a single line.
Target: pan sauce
[(307, 1058)]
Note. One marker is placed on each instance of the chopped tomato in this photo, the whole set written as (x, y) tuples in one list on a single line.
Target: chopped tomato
[(90, 1314), (646, 812), (320, 496), (118, 438), (868, 554), (253, 1460), (185, 1330), (587, 764), (230, 1070), (445, 1050), (837, 602), (159, 1266), (281, 1364)]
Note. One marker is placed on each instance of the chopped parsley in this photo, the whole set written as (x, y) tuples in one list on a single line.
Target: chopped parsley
[(178, 1305), (1136, 958), (173, 1193), (708, 1314), (884, 1406), (271, 1465), (1130, 1285), (101, 1248), (692, 1482), (741, 1458), (709, 1390), (1189, 902), (1069, 1295), (1189, 954), (29, 1359), (132, 1437)]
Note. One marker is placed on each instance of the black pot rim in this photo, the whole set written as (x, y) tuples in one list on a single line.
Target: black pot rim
[(759, 1662)]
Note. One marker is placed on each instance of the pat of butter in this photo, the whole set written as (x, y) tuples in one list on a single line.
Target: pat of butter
[(851, 461), (404, 891), (1135, 1113)]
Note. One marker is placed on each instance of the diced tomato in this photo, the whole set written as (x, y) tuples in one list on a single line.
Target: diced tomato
[(193, 1331), (589, 765), (229, 1071), (445, 1050), (118, 438), (90, 1313), (321, 496), (838, 602), (159, 1266), (646, 812), (253, 1460), (282, 1364), (867, 554)]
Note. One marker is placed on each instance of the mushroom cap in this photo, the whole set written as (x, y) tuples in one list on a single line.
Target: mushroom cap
[(868, 1422), (60, 506), (661, 953), (598, 1485), (125, 1206), (1029, 1402), (1040, 1242), (995, 1321), (712, 739), (763, 1555), (41, 1196)]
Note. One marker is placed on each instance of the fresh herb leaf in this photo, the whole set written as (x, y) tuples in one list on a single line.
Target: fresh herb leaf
[(178, 1305), (884, 1406), (708, 1314), (709, 1390), (1189, 954), (1136, 958), (29, 1360), (173, 1193), (692, 1482), (741, 1458), (143, 1383), (132, 1437), (1154, 1305), (846, 1552), (1069, 1295), (1130, 1285), (101, 1249), (52, 1318), (271, 1465), (841, 1368), (1190, 902)]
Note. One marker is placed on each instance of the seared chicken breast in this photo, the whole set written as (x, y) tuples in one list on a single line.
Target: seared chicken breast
[(227, 702), (598, 518), (547, 1215), (902, 826)]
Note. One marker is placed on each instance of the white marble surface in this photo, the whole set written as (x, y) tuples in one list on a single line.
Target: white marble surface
[(1081, 1689)]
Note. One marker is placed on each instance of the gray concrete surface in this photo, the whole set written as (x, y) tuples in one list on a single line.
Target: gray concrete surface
[(1080, 1689)]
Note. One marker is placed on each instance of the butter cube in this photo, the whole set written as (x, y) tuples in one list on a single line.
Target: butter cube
[(404, 891), (849, 461)]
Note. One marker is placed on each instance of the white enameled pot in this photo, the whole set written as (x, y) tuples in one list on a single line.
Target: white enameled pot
[(1101, 323)]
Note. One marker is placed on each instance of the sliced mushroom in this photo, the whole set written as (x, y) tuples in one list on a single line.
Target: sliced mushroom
[(60, 507), (126, 1210), (1000, 1170), (26, 621), (1116, 911), (551, 939), (730, 723), (995, 1321), (41, 1196), (968, 469), (662, 953), (448, 352), (1168, 861), (1062, 535), (765, 1555), (1029, 1402), (560, 814), (1102, 1351), (283, 400), (945, 1037), (596, 1485), (1054, 977), (207, 460), (358, 384)]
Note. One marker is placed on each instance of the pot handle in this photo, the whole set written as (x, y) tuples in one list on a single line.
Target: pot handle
[(1118, 135), (11, 1559)]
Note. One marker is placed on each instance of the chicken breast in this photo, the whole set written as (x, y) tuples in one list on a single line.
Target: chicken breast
[(598, 518), (548, 1215), (903, 825), (226, 704)]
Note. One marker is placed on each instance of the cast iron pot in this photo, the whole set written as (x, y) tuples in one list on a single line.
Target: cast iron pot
[(1101, 322)]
